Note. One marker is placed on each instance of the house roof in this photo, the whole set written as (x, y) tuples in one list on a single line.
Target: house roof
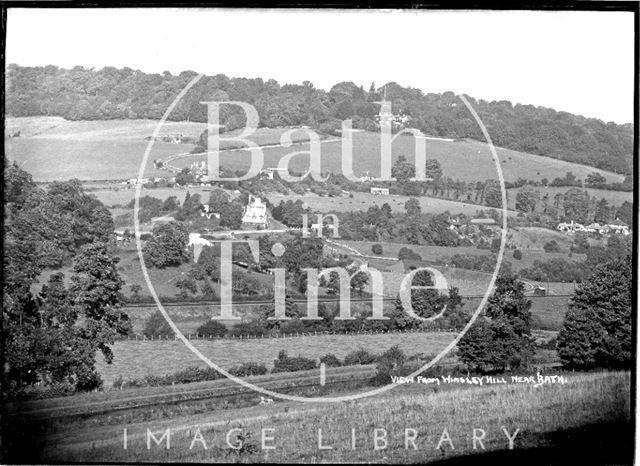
[(619, 223)]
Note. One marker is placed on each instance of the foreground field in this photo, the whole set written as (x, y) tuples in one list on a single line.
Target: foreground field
[(588, 419)]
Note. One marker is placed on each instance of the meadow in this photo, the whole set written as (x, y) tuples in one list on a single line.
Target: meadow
[(52, 148), (587, 420), (135, 359), (465, 160), (362, 201)]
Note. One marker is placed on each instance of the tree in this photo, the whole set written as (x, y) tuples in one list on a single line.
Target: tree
[(217, 200), (185, 177), (157, 326), (412, 207), (359, 281), (377, 249), (186, 285), (403, 170), (432, 169), (597, 329), (576, 205), (504, 339), (517, 254), (527, 198), (167, 246), (231, 214), (595, 180), (492, 195), (625, 212)]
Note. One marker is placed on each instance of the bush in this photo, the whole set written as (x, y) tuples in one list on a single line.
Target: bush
[(390, 363), (377, 249), (551, 246), (330, 360), (359, 357), (157, 326), (286, 364), (212, 328), (248, 369), (517, 254), (40, 392), (408, 254)]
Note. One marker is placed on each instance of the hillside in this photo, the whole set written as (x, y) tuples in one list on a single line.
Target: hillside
[(113, 149), (110, 93)]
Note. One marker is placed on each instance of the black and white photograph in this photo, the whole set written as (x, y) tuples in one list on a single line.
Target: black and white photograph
[(308, 234)]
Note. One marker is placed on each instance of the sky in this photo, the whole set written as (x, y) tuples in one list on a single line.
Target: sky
[(579, 62)]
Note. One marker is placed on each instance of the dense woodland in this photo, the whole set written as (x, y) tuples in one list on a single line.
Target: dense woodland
[(110, 93)]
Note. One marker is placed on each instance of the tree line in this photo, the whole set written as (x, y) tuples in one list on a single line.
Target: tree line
[(111, 93)]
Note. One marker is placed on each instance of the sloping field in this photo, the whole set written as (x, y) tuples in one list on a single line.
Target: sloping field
[(52, 148), (362, 201), (466, 160)]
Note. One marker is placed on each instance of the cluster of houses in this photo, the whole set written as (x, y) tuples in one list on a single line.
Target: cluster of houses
[(617, 226)]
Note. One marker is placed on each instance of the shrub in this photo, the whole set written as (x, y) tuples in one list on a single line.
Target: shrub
[(248, 369), (359, 357), (212, 328), (517, 254), (551, 246), (390, 363), (407, 253), (286, 364), (330, 360), (377, 249), (157, 326)]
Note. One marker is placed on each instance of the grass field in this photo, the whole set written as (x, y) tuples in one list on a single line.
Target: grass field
[(585, 421), (52, 148), (362, 201), (135, 359), (465, 160)]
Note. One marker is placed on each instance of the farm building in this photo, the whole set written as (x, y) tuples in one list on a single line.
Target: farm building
[(483, 221), (255, 213), (618, 226), (380, 191)]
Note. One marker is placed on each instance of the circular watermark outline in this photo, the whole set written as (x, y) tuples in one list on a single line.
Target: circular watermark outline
[(284, 396)]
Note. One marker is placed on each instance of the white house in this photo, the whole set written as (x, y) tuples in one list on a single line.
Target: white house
[(618, 226), (571, 227), (255, 213)]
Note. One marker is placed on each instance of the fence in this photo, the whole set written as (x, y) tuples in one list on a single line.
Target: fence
[(275, 336)]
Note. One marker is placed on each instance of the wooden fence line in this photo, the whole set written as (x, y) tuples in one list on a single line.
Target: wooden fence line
[(195, 336)]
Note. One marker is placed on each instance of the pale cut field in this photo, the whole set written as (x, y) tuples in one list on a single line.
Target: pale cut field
[(588, 418), (135, 359)]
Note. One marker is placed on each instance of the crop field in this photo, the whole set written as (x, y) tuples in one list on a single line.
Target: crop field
[(135, 359), (465, 160), (362, 201), (587, 420)]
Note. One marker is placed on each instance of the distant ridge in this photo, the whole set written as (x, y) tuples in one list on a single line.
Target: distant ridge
[(111, 93)]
